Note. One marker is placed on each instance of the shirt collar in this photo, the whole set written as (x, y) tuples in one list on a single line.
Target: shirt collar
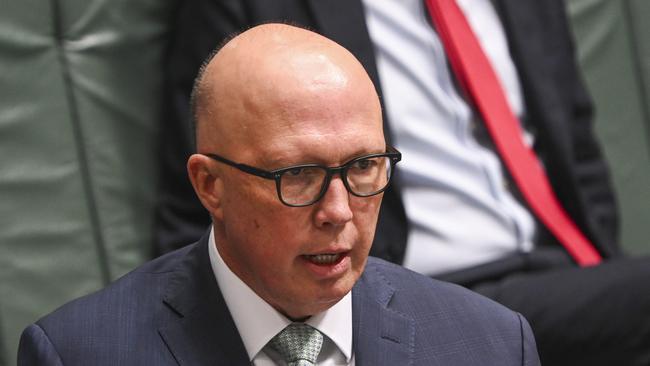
[(256, 331)]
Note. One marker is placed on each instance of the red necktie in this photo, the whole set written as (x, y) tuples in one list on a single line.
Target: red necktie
[(476, 76)]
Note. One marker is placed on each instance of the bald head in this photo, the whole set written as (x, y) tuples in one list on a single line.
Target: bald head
[(270, 74)]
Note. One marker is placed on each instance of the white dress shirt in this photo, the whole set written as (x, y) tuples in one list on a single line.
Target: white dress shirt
[(258, 322), (456, 197)]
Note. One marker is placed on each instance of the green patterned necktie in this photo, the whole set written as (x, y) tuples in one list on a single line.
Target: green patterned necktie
[(299, 344)]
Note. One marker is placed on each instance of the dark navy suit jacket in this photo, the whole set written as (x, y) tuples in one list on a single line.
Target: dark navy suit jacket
[(171, 312)]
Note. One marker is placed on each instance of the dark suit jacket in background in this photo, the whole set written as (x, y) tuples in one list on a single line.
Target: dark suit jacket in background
[(171, 311), (559, 112)]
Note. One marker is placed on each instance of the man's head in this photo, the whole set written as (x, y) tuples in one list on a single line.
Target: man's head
[(273, 97)]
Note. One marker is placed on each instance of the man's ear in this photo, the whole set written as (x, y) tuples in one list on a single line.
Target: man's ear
[(207, 183)]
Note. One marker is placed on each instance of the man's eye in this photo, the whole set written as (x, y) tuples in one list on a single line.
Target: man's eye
[(304, 172), (295, 171), (364, 164)]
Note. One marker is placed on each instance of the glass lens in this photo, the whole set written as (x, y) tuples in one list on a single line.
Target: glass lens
[(369, 175), (301, 184)]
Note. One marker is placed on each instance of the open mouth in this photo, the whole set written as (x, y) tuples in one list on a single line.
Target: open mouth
[(325, 259)]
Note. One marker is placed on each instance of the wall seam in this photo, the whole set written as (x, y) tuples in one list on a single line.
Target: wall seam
[(82, 153)]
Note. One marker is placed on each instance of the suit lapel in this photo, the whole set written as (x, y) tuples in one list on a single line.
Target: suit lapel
[(203, 332), (381, 335), (537, 36), (526, 39)]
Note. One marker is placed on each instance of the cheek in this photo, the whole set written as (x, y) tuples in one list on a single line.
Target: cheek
[(366, 213), (261, 221), (246, 203), (367, 223)]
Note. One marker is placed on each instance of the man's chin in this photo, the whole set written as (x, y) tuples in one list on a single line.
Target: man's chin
[(319, 304)]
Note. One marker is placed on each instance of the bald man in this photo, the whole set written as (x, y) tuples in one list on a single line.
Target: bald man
[(291, 164)]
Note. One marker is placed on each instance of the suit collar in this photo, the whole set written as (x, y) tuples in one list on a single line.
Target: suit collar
[(256, 331), (381, 335), (524, 30), (203, 333)]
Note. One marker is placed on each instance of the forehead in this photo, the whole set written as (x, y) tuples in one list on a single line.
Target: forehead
[(323, 147), (328, 125), (305, 99)]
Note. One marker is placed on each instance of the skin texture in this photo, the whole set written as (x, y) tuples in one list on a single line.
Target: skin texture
[(275, 96)]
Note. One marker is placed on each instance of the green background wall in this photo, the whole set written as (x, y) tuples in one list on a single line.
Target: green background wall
[(613, 38), (79, 103), (80, 84)]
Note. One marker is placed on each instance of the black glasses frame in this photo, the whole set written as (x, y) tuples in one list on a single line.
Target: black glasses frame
[(391, 153)]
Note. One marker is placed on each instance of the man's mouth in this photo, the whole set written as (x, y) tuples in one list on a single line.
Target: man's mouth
[(325, 259)]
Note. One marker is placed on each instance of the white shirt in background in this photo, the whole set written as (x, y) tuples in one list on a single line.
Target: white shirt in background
[(459, 208)]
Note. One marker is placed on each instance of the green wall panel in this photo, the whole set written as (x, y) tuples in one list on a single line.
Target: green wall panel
[(608, 53), (79, 103), (638, 12), (42, 224), (115, 53)]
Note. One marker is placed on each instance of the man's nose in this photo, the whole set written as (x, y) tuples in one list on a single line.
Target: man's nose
[(334, 208)]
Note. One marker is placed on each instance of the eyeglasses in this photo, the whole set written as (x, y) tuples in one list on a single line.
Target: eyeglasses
[(305, 184)]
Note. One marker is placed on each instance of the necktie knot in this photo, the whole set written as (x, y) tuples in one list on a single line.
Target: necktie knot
[(299, 344)]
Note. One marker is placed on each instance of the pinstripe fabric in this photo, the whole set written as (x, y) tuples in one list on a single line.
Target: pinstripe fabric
[(171, 312)]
